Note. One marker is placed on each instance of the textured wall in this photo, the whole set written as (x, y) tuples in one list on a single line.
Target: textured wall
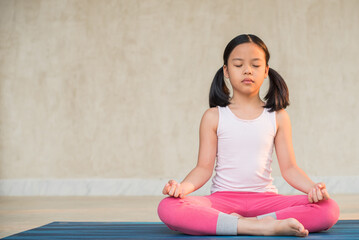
[(117, 89)]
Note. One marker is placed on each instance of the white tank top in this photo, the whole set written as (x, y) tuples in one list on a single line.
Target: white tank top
[(244, 152)]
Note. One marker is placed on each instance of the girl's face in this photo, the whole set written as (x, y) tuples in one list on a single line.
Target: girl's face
[(246, 68)]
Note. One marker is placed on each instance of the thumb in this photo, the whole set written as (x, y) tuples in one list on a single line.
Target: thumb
[(172, 182)]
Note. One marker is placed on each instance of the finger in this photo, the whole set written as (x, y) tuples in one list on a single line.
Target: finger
[(168, 189), (310, 198), (172, 190), (319, 194), (177, 190), (325, 194), (165, 189), (322, 185), (315, 198)]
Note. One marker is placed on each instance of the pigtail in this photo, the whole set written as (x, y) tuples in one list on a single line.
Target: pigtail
[(278, 95), (219, 93)]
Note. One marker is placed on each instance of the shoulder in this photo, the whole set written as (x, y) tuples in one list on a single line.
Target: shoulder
[(282, 118), (210, 118)]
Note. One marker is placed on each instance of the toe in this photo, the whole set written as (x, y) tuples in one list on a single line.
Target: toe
[(298, 228), (302, 232)]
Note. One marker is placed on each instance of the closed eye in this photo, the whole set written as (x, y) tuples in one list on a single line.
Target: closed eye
[(242, 65)]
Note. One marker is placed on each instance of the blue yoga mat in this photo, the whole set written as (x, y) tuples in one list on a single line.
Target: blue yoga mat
[(344, 229)]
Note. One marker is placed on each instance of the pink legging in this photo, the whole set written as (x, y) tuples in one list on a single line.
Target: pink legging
[(209, 215)]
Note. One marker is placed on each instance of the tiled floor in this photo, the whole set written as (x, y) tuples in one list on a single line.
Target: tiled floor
[(18, 214)]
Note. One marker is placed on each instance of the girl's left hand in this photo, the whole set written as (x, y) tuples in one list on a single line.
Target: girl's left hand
[(317, 193)]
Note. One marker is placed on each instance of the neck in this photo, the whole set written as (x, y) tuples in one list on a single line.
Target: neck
[(246, 101)]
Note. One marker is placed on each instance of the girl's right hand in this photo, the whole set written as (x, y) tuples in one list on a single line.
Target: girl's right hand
[(173, 189)]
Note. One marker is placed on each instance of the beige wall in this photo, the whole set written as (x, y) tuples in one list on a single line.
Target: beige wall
[(117, 89)]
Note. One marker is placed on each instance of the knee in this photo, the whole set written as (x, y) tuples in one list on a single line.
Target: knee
[(165, 209), (331, 213), (171, 209), (161, 209)]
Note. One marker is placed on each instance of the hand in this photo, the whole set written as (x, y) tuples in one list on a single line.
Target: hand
[(173, 189), (317, 193)]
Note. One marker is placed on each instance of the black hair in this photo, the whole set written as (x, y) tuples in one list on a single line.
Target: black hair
[(277, 96)]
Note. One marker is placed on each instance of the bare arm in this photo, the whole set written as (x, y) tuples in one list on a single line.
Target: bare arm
[(206, 158), (294, 175)]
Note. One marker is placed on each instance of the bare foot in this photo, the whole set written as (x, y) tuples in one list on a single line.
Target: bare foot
[(290, 226), (268, 226)]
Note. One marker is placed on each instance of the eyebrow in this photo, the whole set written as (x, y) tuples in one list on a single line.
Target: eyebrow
[(240, 59)]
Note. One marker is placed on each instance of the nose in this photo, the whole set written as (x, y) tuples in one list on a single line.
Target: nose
[(247, 70)]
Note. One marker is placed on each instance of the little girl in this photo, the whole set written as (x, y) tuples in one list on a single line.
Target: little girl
[(241, 132)]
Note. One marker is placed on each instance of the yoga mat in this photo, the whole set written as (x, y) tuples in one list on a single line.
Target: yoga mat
[(344, 229)]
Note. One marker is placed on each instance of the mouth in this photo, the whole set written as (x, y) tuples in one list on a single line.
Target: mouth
[(247, 80)]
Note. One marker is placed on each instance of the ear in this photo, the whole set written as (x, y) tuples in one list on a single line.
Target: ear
[(266, 71), (225, 71)]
